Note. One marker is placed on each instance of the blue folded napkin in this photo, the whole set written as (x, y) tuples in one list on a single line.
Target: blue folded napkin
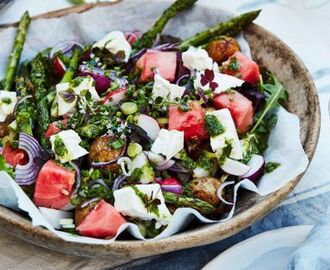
[(314, 254)]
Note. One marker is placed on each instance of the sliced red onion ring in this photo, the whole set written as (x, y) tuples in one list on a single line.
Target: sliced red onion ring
[(171, 185), (257, 164), (178, 168), (220, 191), (234, 167), (138, 54), (181, 79), (166, 47), (118, 181), (66, 47), (166, 165), (78, 177), (84, 204), (201, 94), (27, 174)]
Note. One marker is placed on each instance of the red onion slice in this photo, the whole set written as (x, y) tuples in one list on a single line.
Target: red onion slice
[(118, 181), (66, 47), (220, 191), (27, 174), (166, 165), (171, 185), (257, 164), (201, 94)]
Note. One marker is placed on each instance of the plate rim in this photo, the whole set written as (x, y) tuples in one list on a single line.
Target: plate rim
[(297, 233)]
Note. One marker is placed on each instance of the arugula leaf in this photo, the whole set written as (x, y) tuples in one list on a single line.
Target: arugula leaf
[(256, 141), (5, 167), (276, 93)]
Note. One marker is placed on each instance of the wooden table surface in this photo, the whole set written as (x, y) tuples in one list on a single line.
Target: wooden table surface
[(19, 255)]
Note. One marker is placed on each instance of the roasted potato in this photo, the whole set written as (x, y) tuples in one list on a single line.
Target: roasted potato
[(81, 212), (221, 49), (204, 188), (102, 151), (3, 130)]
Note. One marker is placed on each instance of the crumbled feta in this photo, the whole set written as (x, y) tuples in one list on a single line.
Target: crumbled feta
[(200, 172), (224, 82), (166, 90), (230, 134), (168, 143), (8, 101), (197, 59), (86, 84), (129, 203), (115, 42), (70, 140)]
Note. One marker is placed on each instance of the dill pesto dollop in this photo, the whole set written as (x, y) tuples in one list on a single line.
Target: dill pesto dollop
[(150, 203), (59, 147), (271, 166), (213, 125)]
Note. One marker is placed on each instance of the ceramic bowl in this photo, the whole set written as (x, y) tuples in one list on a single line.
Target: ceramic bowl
[(271, 53)]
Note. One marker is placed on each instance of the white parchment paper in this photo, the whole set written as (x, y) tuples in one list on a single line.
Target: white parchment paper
[(284, 142)]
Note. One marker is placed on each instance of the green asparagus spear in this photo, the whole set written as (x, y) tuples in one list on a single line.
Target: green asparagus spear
[(16, 51), (39, 80), (232, 27), (183, 201), (149, 37), (26, 111), (68, 76)]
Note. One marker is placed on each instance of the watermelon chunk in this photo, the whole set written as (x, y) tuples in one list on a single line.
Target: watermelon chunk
[(242, 67), (164, 62), (191, 122), (102, 222), (240, 107), (54, 186), (55, 127)]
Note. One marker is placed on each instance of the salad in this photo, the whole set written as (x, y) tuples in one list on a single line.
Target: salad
[(136, 125)]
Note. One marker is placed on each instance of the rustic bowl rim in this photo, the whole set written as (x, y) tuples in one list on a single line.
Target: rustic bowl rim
[(206, 234)]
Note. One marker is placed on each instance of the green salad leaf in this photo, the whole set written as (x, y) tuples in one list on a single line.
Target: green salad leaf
[(256, 141), (5, 167)]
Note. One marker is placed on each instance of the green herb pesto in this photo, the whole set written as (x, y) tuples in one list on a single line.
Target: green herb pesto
[(213, 125), (233, 64), (271, 166), (186, 161), (59, 147), (6, 100), (150, 203), (225, 152)]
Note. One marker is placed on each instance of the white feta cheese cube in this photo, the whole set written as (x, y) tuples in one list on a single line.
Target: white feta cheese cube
[(115, 42), (70, 148), (128, 202), (224, 82), (230, 134), (197, 59), (86, 84), (166, 90), (8, 101), (168, 143), (64, 106)]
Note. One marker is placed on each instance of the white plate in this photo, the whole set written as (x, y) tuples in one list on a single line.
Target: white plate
[(268, 250)]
